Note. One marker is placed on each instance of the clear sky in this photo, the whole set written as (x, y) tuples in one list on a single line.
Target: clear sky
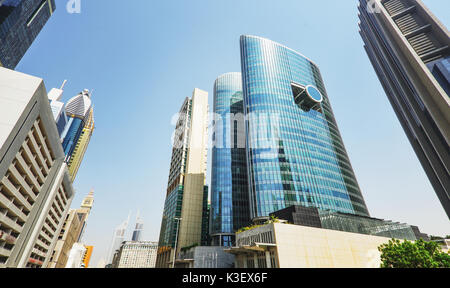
[(143, 57)]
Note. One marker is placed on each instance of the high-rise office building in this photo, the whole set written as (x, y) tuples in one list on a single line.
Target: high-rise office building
[(84, 211), (185, 198), (67, 237), (35, 189), (409, 49), (20, 23), (71, 232), (75, 123), (295, 153), (78, 111), (229, 186), (81, 146)]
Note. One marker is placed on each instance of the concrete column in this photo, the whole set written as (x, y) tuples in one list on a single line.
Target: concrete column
[(268, 262), (255, 259)]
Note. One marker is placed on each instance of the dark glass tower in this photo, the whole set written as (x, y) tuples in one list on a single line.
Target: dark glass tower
[(295, 154), (409, 49), (20, 23), (229, 186)]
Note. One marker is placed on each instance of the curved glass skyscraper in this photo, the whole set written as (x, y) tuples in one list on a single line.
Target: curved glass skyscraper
[(295, 153), (229, 186)]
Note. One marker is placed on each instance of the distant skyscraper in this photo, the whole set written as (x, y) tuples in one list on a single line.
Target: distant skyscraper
[(295, 153), (409, 49), (20, 23), (35, 189), (229, 186), (118, 238), (138, 229), (185, 197), (78, 130)]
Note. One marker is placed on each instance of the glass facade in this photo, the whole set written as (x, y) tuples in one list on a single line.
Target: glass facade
[(294, 155), (229, 186), (74, 129), (20, 23), (172, 210)]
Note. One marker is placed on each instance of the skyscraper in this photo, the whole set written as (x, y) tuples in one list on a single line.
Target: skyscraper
[(183, 209), (137, 229), (20, 23), (78, 130), (409, 49), (82, 145), (295, 153), (71, 232), (84, 211), (35, 189), (118, 238), (229, 186)]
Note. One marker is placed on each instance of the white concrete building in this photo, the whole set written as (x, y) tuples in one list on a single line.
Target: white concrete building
[(280, 245), (35, 189), (139, 254)]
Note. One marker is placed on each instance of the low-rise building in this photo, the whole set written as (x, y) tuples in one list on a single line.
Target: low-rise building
[(136, 254), (204, 257), (281, 245)]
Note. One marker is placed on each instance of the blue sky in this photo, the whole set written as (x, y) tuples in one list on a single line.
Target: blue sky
[(144, 58)]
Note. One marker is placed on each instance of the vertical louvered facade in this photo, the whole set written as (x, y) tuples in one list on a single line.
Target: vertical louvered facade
[(409, 49), (35, 189)]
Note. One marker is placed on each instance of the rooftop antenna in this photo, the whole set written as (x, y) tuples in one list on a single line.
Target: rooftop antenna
[(63, 84)]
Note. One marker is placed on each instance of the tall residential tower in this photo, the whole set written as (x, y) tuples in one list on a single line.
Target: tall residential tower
[(409, 49)]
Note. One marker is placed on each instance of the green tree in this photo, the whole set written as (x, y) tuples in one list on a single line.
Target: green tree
[(418, 254)]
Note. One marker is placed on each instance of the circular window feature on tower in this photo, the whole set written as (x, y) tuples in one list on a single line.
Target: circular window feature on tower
[(314, 93), (307, 97)]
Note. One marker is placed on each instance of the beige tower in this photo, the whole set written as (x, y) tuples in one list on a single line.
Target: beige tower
[(183, 211), (71, 232), (82, 145)]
